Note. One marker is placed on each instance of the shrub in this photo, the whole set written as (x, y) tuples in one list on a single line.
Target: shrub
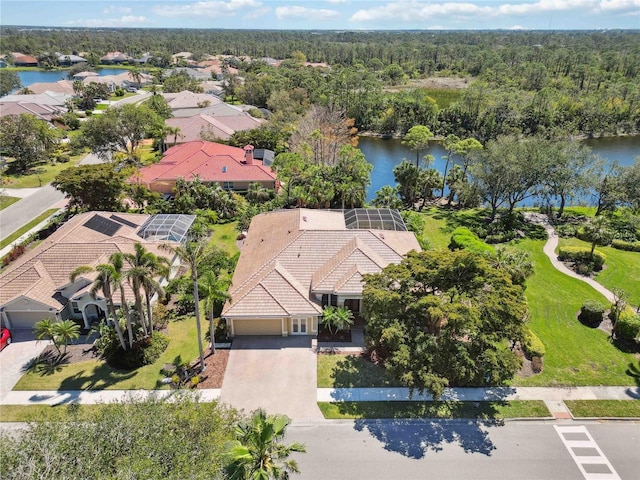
[(463, 238), (628, 325), (144, 352), (414, 221), (581, 256), (161, 315), (627, 246), (591, 313), (536, 364), (531, 344), (14, 253)]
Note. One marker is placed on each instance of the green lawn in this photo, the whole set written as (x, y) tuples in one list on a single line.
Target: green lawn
[(32, 413), (6, 200), (224, 237), (97, 375), (24, 229), (484, 410), (351, 371), (575, 354), (604, 408), (436, 229), (101, 106), (618, 268), (40, 176)]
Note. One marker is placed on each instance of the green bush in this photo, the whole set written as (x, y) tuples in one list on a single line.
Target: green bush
[(463, 238), (414, 221), (591, 313), (581, 256), (627, 246), (144, 352), (531, 344), (628, 325)]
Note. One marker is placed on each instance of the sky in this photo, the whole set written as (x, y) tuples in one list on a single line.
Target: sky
[(328, 14)]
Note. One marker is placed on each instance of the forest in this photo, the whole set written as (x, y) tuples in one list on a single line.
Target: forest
[(555, 84)]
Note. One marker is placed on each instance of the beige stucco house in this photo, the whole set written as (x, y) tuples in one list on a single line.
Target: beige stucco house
[(294, 262), (37, 285)]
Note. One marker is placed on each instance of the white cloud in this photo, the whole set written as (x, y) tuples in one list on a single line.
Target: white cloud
[(336, 1), (205, 9), (296, 11), (258, 13), (421, 10), (114, 9), (124, 21), (516, 27), (616, 5)]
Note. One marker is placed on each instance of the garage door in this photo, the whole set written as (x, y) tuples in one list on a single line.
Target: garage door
[(26, 320), (258, 327)]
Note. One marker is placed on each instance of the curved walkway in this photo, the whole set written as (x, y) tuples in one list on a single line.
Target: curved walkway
[(550, 251)]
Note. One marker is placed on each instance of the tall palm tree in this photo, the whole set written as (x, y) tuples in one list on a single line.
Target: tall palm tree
[(257, 453), (193, 253), (117, 261), (214, 290), (145, 266), (104, 282)]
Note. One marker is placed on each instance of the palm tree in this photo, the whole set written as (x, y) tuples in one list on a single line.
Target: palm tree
[(193, 253), (256, 454), (339, 318), (516, 263), (105, 282), (387, 197), (455, 181), (597, 232), (117, 261), (145, 266), (65, 331), (214, 291), (45, 329)]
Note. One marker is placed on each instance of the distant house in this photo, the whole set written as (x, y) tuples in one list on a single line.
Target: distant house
[(189, 100), (37, 285), (221, 128), (115, 58), (42, 112), (82, 75), (195, 73), (61, 86), (67, 60), (122, 80), (295, 262), (25, 61), (231, 167), (46, 98)]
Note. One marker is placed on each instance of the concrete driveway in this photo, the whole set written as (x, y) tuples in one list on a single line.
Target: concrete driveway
[(16, 358), (274, 373)]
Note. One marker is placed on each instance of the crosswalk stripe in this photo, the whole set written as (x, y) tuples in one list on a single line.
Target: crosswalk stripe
[(592, 467)]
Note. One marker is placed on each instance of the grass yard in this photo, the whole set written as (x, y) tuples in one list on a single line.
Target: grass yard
[(484, 410), (575, 354), (618, 268), (604, 408), (24, 229), (436, 229), (97, 375), (6, 200), (41, 175), (101, 106), (224, 237), (351, 371)]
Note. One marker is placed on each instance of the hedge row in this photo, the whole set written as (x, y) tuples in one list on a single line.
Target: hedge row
[(627, 246), (531, 344), (463, 238), (582, 256)]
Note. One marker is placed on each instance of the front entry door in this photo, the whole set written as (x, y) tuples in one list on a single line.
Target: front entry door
[(298, 326)]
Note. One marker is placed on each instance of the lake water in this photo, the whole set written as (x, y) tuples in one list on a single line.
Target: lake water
[(28, 77), (385, 154)]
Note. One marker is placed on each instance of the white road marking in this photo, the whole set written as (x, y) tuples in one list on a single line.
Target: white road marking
[(586, 453)]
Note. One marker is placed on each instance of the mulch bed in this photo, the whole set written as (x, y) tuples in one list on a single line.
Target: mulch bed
[(215, 365), (341, 336), (75, 353)]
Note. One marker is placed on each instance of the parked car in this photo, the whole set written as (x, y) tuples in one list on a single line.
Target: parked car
[(5, 337)]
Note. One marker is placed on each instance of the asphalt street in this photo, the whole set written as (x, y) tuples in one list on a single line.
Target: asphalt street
[(461, 450)]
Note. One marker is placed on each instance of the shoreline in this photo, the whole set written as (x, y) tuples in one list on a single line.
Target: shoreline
[(438, 138)]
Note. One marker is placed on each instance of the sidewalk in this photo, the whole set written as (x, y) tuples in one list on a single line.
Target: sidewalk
[(92, 397)]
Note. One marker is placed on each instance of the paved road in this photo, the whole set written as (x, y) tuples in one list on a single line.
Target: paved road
[(22, 212), (37, 201), (388, 450)]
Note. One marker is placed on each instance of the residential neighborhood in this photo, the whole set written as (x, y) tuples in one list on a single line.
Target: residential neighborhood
[(364, 254)]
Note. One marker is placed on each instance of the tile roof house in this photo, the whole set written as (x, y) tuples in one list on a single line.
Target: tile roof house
[(25, 61), (220, 128), (43, 112), (115, 58), (37, 285), (231, 167), (61, 86), (46, 98), (294, 262)]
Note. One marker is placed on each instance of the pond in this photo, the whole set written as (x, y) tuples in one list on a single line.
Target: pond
[(28, 77), (385, 154)]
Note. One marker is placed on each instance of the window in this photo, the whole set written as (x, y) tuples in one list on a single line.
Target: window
[(325, 299), (334, 300), (75, 308), (227, 185)]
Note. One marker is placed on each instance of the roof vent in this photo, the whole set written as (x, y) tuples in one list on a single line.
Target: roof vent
[(304, 219), (224, 169)]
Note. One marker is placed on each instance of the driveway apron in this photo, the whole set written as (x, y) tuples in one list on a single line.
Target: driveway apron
[(274, 373), (17, 357)]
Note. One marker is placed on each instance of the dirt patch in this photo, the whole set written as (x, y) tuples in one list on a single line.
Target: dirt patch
[(74, 354), (434, 83), (215, 365)]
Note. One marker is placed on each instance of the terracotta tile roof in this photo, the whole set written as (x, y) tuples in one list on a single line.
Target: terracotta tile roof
[(212, 162), (41, 272), (317, 252)]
